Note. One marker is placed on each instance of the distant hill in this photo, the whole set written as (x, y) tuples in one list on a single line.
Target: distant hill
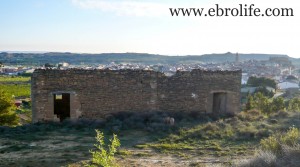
[(104, 58)]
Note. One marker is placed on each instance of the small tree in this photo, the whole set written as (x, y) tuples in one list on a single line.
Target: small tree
[(264, 91), (294, 105), (264, 82), (104, 155), (8, 116), (250, 103), (278, 104), (262, 103)]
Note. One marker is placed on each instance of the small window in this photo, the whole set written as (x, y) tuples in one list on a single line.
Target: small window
[(58, 97)]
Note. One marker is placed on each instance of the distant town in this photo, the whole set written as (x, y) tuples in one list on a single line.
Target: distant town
[(280, 68)]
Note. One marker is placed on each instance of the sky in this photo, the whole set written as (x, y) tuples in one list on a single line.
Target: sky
[(144, 26)]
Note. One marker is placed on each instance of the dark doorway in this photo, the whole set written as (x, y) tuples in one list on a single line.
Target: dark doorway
[(219, 102), (62, 105)]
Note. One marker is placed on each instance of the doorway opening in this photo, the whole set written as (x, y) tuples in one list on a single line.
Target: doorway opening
[(219, 102), (62, 106)]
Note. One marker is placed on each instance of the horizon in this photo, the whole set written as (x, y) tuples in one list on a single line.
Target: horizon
[(132, 26), (44, 52)]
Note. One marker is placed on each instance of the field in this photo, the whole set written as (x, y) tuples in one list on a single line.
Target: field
[(193, 140), (20, 90), (6, 79), (16, 86)]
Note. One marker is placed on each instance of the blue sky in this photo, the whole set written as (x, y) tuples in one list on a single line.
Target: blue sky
[(102, 26)]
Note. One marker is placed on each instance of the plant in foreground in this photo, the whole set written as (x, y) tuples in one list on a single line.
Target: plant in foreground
[(104, 155)]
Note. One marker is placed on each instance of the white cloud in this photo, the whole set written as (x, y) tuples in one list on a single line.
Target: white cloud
[(124, 7)]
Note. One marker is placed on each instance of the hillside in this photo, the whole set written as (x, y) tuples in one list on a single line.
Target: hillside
[(194, 140), (145, 58)]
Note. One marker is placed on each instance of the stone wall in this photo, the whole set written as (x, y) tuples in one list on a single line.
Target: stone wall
[(97, 93)]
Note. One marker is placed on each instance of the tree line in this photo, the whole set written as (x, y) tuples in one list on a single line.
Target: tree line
[(271, 105)]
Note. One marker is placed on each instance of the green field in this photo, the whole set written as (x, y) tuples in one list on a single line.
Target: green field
[(20, 90), (14, 79), (15, 86)]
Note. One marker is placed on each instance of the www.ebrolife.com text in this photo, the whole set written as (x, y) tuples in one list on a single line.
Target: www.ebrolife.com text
[(242, 10)]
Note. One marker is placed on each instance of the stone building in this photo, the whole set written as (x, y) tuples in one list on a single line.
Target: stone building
[(77, 93)]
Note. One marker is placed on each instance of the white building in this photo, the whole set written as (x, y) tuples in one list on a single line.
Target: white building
[(287, 85)]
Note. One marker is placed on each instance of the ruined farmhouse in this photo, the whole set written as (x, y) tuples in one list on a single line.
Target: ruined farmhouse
[(77, 93)]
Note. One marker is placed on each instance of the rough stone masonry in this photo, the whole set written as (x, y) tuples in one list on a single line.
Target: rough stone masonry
[(92, 94)]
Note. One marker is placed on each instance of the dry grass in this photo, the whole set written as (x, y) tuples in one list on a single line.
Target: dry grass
[(212, 140), (277, 150), (290, 158)]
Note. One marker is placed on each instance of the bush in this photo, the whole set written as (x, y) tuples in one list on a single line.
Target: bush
[(294, 105), (281, 114), (263, 82), (275, 143), (271, 144), (250, 115), (210, 127), (291, 138), (278, 104), (266, 105), (263, 159), (277, 150), (246, 132), (8, 117), (264, 91), (104, 155)]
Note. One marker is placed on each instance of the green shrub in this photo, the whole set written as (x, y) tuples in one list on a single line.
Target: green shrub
[(291, 138), (210, 127), (294, 105), (275, 143), (278, 104), (250, 115), (104, 155), (277, 150), (250, 103), (266, 105), (8, 116), (246, 132), (261, 81), (271, 144), (264, 91)]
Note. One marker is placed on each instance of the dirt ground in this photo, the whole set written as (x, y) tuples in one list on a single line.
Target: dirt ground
[(55, 145), (173, 161)]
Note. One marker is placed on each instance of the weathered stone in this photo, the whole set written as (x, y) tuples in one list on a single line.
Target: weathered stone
[(97, 93)]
